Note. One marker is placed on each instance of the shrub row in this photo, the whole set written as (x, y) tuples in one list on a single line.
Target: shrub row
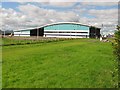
[(24, 42)]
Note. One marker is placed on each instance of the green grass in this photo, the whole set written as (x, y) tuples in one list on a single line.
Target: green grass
[(80, 63)]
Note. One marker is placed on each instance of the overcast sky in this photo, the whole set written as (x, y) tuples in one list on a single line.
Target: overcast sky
[(22, 14)]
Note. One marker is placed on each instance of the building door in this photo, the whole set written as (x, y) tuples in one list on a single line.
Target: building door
[(35, 32), (41, 31)]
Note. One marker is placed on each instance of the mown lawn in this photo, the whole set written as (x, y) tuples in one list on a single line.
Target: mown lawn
[(80, 63)]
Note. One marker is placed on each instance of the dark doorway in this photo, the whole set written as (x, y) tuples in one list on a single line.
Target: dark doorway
[(41, 31), (34, 32), (94, 32)]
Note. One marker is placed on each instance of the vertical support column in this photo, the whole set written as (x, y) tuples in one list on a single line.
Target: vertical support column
[(95, 33), (58, 32), (4, 33), (37, 33)]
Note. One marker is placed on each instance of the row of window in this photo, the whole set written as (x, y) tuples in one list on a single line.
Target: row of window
[(63, 32), (21, 34), (66, 35)]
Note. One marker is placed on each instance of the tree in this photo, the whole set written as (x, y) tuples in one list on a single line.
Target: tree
[(117, 52), (117, 44)]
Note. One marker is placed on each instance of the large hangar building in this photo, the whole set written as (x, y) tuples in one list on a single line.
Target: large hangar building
[(61, 30)]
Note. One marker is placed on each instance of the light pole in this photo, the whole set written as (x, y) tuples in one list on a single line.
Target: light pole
[(37, 33), (4, 33), (102, 28)]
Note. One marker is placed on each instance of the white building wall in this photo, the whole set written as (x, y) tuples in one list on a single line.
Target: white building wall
[(22, 33), (67, 33)]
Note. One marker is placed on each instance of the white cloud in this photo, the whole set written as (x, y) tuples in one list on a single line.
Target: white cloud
[(31, 16), (38, 13), (59, 4), (104, 14), (11, 18), (60, 0), (109, 18), (100, 3)]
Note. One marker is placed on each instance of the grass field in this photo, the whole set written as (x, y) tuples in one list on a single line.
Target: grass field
[(79, 63)]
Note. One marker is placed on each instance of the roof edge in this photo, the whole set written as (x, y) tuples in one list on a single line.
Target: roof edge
[(53, 24)]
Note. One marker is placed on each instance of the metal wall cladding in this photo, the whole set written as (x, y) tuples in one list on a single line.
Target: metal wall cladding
[(66, 27)]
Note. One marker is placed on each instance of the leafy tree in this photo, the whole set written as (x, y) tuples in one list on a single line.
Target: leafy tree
[(117, 43), (117, 52)]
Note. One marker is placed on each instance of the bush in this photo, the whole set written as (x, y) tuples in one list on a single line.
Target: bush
[(117, 43), (117, 52)]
